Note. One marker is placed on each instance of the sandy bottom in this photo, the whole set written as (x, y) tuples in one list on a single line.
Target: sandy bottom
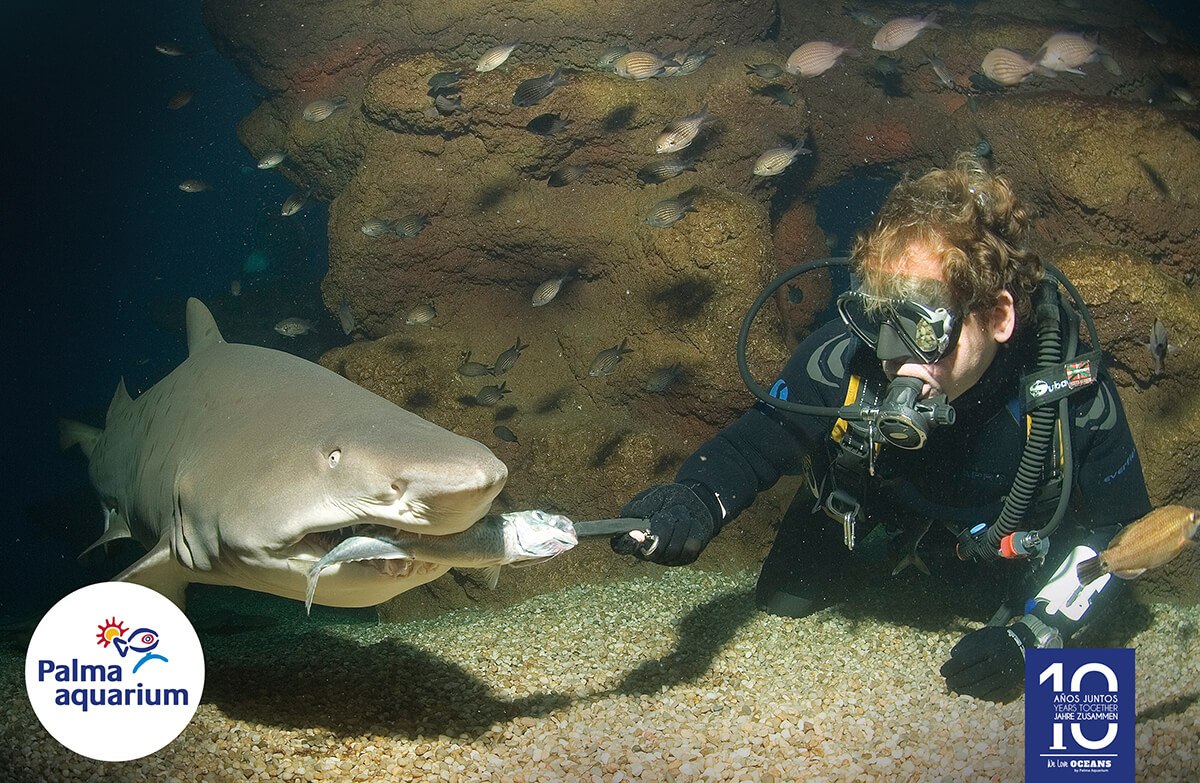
[(670, 679)]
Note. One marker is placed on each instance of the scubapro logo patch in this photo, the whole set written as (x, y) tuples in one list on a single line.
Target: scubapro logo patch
[(114, 671)]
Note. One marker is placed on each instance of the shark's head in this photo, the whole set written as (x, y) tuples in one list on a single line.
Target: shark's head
[(299, 457)]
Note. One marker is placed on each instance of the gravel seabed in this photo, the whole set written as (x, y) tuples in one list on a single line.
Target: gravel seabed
[(675, 678)]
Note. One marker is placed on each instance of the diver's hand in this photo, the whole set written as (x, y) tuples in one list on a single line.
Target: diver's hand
[(989, 663), (679, 525)]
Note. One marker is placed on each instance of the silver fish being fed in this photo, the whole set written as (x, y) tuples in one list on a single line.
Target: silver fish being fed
[(515, 538)]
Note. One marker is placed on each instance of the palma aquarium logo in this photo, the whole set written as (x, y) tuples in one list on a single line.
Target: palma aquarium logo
[(114, 671)]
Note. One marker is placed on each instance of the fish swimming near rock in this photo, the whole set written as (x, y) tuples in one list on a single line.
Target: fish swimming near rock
[(902, 31), (1150, 542), (1009, 68), (776, 159), (662, 169), (346, 318), (271, 159), (1159, 345), (244, 458), (1065, 52), (322, 108), (640, 66), (294, 327), (607, 360), (533, 90), (495, 57), (508, 357), (669, 211), (682, 132), (815, 58), (519, 538)]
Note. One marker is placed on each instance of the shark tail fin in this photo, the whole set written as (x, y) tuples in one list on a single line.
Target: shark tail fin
[(202, 331), (76, 433)]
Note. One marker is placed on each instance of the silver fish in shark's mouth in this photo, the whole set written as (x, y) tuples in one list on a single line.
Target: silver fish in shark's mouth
[(517, 538)]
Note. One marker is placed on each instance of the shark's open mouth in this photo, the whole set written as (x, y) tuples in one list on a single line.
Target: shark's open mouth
[(322, 542)]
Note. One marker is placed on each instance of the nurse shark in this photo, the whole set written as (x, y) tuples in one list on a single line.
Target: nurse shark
[(245, 465)]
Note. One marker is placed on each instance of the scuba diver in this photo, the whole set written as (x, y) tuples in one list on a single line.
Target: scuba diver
[(954, 405)]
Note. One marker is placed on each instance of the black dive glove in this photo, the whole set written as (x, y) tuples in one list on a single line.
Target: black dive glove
[(989, 663), (680, 525)]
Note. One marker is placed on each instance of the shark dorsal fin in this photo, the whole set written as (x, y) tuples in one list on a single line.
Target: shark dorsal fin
[(202, 331), (120, 401)]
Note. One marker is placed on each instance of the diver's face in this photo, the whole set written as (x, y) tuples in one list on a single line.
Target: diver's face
[(978, 341)]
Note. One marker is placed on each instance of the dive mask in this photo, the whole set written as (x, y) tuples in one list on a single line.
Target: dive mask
[(900, 328)]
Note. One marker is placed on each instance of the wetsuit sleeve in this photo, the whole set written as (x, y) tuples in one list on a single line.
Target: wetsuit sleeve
[(764, 443), (1108, 472), (1112, 492)]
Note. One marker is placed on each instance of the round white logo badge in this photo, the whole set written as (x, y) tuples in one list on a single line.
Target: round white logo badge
[(114, 671)]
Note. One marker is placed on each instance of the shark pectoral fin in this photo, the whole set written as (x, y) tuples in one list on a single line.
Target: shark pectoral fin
[(159, 571), (115, 528)]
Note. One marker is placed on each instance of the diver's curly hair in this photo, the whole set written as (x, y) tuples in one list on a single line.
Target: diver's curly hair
[(971, 220)]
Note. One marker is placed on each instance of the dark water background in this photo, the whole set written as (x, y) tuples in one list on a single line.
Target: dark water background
[(101, 248)]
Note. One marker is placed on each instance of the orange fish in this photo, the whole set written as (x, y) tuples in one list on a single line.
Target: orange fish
[(1147, 543)]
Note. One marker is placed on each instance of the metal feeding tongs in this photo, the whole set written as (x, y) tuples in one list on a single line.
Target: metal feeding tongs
[(635, 527)]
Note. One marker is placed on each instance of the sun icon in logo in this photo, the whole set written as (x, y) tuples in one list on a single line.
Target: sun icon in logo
[(109, 630)]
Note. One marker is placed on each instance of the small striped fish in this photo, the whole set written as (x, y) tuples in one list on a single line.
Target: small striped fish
[(776, 159), (607, 360), (376, 227), (421, 314), (180, 99), (271, 160), (662, 169), (899, 32), (493, 58), (640, 66), (544, 294), (193, 186), (293, 204), (490, 395), (346, 318), (320, 109), (470, 369), (669, 211), (533, 90), (689, 62), (1066, 52), (505, 434), (777, 93), (1006, 67), (410, 225), (680, 133), (765, 70), (566, 175), (607, 61), (508, 357), (941, 70), (660, 379), (814, 58), (547, 124)]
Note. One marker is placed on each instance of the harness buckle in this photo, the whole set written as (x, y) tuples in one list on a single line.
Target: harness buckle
[(841, 507)]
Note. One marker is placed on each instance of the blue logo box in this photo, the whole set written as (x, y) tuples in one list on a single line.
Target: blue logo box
[(1079, 715)]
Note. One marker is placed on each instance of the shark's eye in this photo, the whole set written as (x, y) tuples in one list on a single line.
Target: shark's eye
[(335, 457)]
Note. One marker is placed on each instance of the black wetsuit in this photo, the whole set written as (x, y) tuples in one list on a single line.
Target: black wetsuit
[(958, 478)]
